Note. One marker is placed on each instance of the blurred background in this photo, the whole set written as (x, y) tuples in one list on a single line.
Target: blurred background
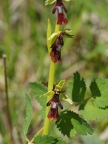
[(23, 26)]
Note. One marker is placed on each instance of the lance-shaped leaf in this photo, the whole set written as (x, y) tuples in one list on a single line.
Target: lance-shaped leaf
[(70, 123), (66, 98), (77, 88), (99, 90), (27, 120), (47, 2)]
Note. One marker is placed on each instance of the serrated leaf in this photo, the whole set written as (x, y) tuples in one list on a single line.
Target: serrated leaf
[(39, 90), (27, 120), (70, 123), (61, 142), (77, 88), (92, 139), (99, 90), (46, 139), (92, 112)]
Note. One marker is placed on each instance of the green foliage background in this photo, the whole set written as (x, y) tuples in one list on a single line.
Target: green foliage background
[(23, 26)]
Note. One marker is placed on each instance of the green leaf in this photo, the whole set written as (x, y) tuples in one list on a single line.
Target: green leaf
[(92, 112), (70, 123), (61, 142), (92, 139), (27, 120), (99, 90), (77, 88), (46, 139), (39, 90)]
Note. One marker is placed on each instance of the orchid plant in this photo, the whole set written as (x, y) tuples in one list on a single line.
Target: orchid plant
[(67, 121)]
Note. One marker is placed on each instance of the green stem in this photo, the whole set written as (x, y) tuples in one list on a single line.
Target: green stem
[(50, 87)]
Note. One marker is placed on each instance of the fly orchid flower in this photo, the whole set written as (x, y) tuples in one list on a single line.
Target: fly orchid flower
[(56, 49), (55, 101), (61, 18), (57, 43)]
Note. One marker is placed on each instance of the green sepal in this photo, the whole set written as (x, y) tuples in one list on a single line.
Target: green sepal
[(50, 93), (66, 98), (53, 37), (60, 85), (67, 33), (47, 2)]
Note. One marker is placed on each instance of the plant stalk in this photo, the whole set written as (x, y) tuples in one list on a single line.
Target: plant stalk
[(50, 87), (7, 97)]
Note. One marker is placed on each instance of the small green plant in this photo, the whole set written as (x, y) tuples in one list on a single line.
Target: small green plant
[(82, 107)]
